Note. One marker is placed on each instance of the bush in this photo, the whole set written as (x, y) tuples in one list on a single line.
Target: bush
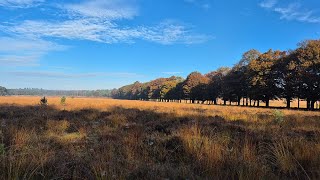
[(278, 116), (43, 101), (63, 100)]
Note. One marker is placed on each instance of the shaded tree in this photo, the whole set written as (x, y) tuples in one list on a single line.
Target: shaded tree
[(263, 84), (216, 83), (309, 55), (288, 77), (189, 86)]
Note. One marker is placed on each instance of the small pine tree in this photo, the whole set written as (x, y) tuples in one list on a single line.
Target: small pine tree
[(43, 101), (63, 101)]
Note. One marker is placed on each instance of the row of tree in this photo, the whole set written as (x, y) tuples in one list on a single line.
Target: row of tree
[(257, 77), (3, 91), (44, 92)]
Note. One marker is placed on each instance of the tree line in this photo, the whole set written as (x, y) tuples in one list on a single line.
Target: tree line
[(44, 92), (257, 77)]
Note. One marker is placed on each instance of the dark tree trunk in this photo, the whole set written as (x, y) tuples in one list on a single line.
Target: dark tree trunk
[(298, 103), (288, 102), (215, 101), (192, 101), (308, 104), (312, 104), (258, 104), (246, 101), (267, 103), (224, 102)]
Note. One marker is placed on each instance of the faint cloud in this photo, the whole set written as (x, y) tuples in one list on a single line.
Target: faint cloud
[(19, 60), (200, 3), (292, 11), (16, 51), (51, 74), (107, 32), (97, 21), (20, 3), (268, 3), (172, 73), (116, 9), (24, 44)]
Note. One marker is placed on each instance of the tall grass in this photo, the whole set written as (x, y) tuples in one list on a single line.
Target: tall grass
[(117, 139)]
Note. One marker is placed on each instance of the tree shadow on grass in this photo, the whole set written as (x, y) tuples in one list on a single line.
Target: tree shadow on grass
[(126, 143)]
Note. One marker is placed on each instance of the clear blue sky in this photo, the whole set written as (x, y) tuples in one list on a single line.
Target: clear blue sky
[(101, 44)]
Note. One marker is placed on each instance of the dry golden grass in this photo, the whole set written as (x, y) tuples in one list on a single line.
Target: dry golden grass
[(96, 138)]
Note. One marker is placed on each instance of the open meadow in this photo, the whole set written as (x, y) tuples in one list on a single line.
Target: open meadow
[(97, 138)]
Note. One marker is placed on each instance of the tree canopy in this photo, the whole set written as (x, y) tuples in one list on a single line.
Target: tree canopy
[(256, 77)]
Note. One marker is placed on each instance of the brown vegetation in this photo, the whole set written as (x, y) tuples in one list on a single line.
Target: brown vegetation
[(118, 139)]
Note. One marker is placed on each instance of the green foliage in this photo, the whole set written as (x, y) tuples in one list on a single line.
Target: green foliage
[(63, 100), (278, 116)]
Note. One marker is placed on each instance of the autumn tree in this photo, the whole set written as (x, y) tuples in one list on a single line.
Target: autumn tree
[(309, 55), (262, 76), (241, 70), (167, 85), (190, 89)]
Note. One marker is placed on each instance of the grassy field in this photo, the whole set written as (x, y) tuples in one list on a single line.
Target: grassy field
[(91, 138)]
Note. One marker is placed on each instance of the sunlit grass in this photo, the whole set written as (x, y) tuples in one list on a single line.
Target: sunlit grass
[(94, 138)]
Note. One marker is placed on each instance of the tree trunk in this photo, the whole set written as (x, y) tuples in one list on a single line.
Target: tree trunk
[(246, 101), (312, 104), (298, 103), (192, 101), (215, 101), (308, 104), (258, 103), (224, 102), (288, 102)]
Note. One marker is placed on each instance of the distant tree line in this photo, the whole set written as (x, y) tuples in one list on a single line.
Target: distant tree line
[(3, 91), (43, 92), (257, 77)]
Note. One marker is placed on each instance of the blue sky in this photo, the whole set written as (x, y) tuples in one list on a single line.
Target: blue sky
[(101, 44)]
